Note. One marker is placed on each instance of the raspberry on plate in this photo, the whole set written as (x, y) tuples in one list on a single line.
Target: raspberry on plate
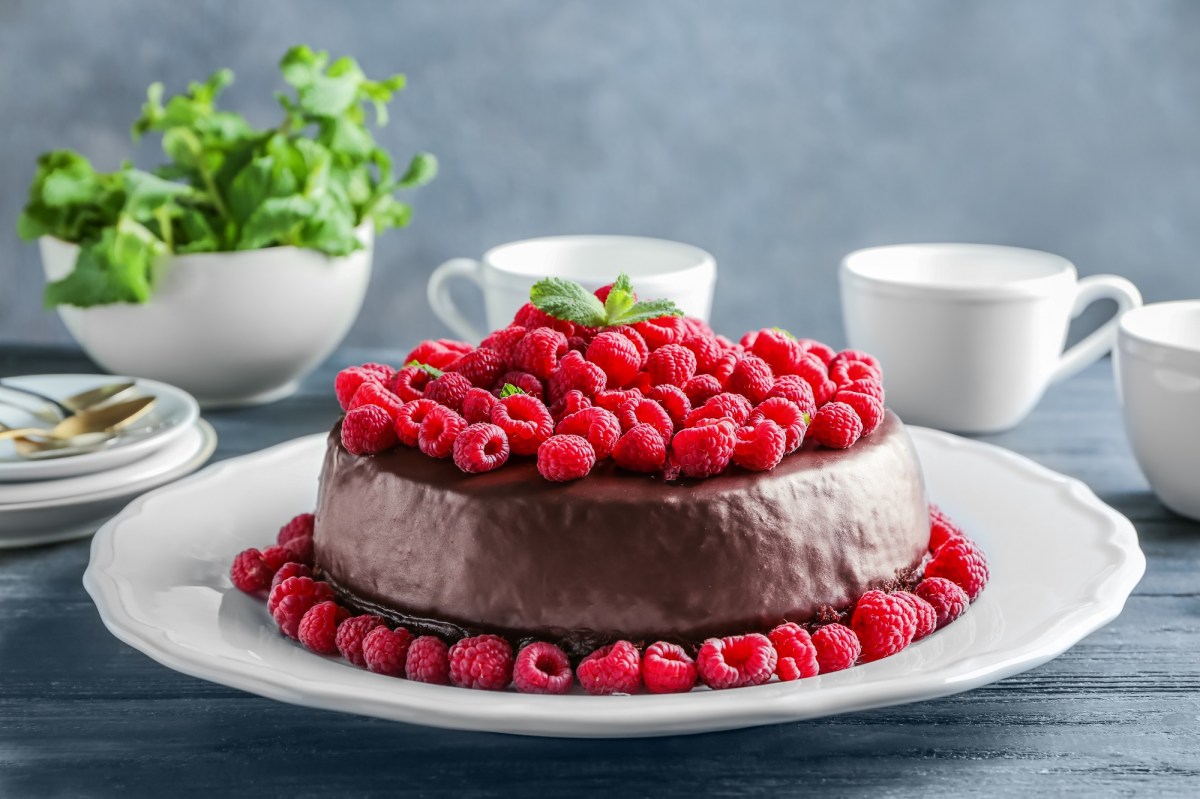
[(428, 661), (705, 450), (350, 635), (797, 654), (297, 536), (481, 661), (612, 669), (925, 614), (561, 458), (525, 420), (884, 624), (384, 651), (276, 556), (292, 598), (641, 449), (759, 447), (288, 570), (439, 430), (617, 356), (318, 627), (736, 661), (250, 572), (837, 647), (948, 600), (667, 669), (961, 562), (367, 430), (598, 426), (941, 528), (542, 668), (481, 447), (836, 426)]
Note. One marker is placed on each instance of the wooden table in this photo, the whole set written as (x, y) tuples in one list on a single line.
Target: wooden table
[(81, 714)]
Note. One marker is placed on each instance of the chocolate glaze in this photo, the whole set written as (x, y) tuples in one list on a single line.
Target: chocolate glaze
[(618, 555)]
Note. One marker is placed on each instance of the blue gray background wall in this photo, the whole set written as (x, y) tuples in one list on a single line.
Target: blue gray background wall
[(777, 135)]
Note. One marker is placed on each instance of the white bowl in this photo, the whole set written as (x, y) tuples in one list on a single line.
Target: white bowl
[(230, 328)]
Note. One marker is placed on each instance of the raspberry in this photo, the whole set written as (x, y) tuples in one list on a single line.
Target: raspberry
[(428, 661), (542, 668), (836, 426), (350, 635), (796, 390), (375, 394), (348, 382), (410, 382), (723, 369), (797, 655), (449, 390), (671, 364), (367, 430), (646, 411), (483, 367), (483, 661), (562, 458), (705, 450), (639, 343), (752, 378), (823, 351), (695, 326), (947, 599), (477, 405), (736, 661), (674, 401), (617, 356), (869, 409), (573, 373), (504, 341), (385, 651), (573, 401), (925, 613), (662, 331), (598, 426), (439, 429), (728, 405), (384, 372), (851, 361), (438, 353), (777, 347), (785, 414), (525, 420), (837, 647), (667, 669), (612, 669), (705, 348), (409, 419), (578, 344), (642, 383), (884, 624), (292, 598), (531, 317), (810, 369), (759, 447), (480, 447), (288, 570), (641, 449), (539, 351), (613, 399), (249, 572), (700, 388), (941, 528), (277, 556), (871, 388), (962, 563), (318, 627), (522, 380)]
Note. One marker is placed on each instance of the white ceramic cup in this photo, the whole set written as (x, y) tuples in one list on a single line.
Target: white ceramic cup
[(970, 335), (1157, 371), (659, 269)]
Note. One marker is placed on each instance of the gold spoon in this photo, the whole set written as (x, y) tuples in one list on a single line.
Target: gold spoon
[(58, 409), (96, 420)]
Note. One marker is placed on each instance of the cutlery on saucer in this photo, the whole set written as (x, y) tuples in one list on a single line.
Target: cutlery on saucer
[(105, 419), (69, 406)]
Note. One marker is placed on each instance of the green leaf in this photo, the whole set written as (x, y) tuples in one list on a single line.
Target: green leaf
[(431, 371), (116, 268), (145, 193), (620, 298), (646, 310), (300, 65), (277, 220), (421, 169), (509, 390), (390, 213), (195, 233), (567, 300)]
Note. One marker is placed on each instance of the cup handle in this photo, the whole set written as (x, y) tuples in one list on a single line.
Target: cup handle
[(1101, 341), (438, 294)]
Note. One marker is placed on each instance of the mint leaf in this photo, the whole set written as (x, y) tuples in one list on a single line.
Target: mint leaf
[(421, 169), (509, 390), (424, 367), (567, 300), (620, 298), (645, 310), (785, 333)]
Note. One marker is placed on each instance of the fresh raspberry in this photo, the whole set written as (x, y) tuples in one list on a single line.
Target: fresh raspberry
[(277, 556), (869, 409), (528, 383), (729, 405), (449, 390), (836, 426), (705, 450), (504, 341), (480, 447), (573, 401), (736, 661), (350, 635), (884, 624), (641, 449), (813, 371), (667, 669), (612, 669), (289, 570), (672, 365), (385, 651), (483, 367), (845, 372), (797, 655), (642, 382), (542, 668), (941, 528), (947, 599), (646, 411), (525, 420), (961, 562), (617, 356), (562, 458), (837, 647), (438, 353), (367, 430), (674, 401), (785, 414), (796, 390), (384, 372), (695, 326), (723, 369), (598, 426), (612, 399), (477, 405), (578, 344), (846, 362), (777, 347), (428, 661), (823, 351), (661, 332), (639, 343), (318, 627), (871, 388), (925, 613), (482, 661), (705, 348), (250, 572), (539, 351), (752, 378), (410, 382), (439, 430), (573, 373), (375, 394), (292, 598), (531, 317), (409, 419), (759, 447), (701, 388), (348, 382)]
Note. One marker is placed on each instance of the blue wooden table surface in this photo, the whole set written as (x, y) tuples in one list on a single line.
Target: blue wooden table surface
[(82, 714)]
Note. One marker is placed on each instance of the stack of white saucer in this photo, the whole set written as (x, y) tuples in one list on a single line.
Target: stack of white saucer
[(55, 496)]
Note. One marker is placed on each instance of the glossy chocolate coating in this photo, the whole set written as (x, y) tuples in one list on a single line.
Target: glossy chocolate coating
[(618, 555)]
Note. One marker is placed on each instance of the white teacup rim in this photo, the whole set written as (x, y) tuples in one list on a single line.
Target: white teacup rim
[(1147, 326), (690, 259)]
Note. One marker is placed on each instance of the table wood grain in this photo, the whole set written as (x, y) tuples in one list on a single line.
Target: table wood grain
[(82, 714)]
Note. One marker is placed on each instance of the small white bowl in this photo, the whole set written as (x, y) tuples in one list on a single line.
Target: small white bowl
[(231, 328)]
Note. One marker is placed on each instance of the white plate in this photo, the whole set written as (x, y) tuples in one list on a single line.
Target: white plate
[(1063, 564), (46, 521), (173, 414)]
